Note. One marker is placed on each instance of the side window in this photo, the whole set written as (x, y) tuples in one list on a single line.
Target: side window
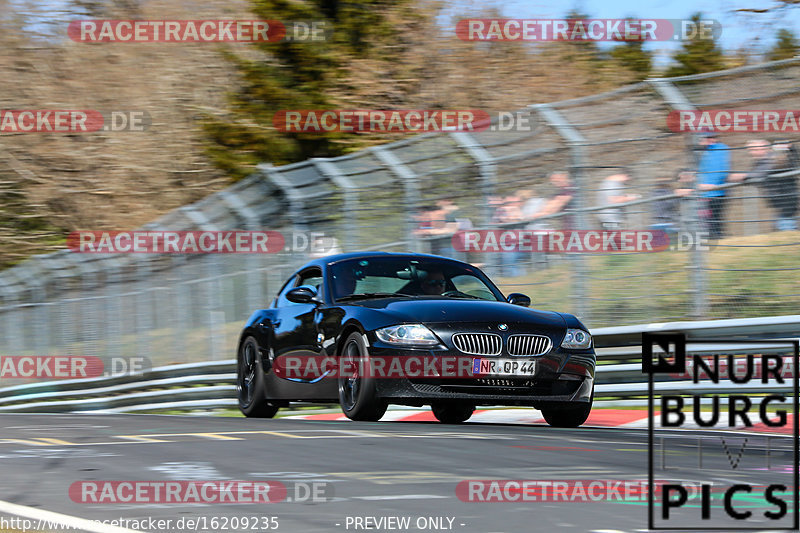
[(312, 277), (280, 299)]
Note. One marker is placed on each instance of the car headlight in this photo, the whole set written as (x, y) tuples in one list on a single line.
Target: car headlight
[(407, 335), (576, 339)]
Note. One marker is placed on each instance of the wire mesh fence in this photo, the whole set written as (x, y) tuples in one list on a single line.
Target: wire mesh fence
[(176, 308)]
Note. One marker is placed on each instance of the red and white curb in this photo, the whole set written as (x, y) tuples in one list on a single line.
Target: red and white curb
[(604, 418)]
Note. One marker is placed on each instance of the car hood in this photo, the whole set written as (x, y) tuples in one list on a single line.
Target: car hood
[(455, 310)]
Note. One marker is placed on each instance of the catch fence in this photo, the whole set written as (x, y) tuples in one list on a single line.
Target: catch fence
[(188, 308)]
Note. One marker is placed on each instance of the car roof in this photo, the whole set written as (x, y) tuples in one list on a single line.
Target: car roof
[(330, 259)]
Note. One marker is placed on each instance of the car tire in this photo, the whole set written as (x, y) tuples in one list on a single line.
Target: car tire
[(357, 393), (569, 417), (250, 390), (452, 413)]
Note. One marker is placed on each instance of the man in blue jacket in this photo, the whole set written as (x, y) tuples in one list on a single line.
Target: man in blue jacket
[(712, 172)]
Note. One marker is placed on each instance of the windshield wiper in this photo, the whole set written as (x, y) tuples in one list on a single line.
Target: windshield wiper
[(459, 294), (366, 295)]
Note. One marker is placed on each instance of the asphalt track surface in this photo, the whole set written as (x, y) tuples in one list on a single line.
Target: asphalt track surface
[(382, 469)]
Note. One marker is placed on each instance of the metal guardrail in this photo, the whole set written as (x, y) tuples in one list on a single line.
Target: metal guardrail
[(761, 328), (210, 385), (159, 373)]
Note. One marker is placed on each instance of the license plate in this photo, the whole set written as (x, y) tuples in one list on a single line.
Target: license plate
[(503, 367)]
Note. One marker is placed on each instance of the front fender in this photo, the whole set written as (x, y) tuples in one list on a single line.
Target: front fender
[(572, 321), (370, 319), (259, 326)]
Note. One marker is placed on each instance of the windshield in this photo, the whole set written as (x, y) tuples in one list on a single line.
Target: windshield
[(378, 277)]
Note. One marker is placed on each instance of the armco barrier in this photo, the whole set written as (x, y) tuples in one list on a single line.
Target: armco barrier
[(211, 385)]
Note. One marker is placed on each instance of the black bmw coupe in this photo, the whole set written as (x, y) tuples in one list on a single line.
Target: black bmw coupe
[(369, 329)]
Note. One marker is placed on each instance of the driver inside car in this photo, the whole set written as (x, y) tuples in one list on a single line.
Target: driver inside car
[(434, 283), (344, 283), (425, 283)]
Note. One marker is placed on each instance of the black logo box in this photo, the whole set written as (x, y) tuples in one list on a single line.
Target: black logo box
[(678, 365)]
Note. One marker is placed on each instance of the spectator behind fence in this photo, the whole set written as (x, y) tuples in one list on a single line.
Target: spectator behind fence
[(763, 161), (712, 170), (427, 219), (441, 220), (779, 191), (509, 211), (532, 205), (494, 201), (424, 221), (561, 201), (784, 183), (610, 193), (666, 212)]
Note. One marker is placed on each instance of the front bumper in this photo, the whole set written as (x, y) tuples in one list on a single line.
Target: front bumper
[(561, 377), (539, 394)]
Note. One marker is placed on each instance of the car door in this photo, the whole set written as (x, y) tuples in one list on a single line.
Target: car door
[(296, 325)]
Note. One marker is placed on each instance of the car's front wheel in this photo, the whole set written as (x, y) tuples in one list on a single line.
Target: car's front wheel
[(250, 383), (452, 413), (569, 417), (357, 389)]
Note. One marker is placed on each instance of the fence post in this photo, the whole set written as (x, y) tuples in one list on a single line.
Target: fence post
[(10, 317), (38, 293), (488, 172), (294, 197), (411, 187), (698, 267), (216, 308), (575, 141), (143, 307), (112, 309), (678, 101), (254, 278), (328, 169)]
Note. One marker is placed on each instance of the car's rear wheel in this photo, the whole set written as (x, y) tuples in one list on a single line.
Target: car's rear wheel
[(250, 383), (569, 417), (452, 413), (357, 389)]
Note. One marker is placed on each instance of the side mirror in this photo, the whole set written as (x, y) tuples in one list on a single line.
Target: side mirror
[(516, 298), (303, 294)]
